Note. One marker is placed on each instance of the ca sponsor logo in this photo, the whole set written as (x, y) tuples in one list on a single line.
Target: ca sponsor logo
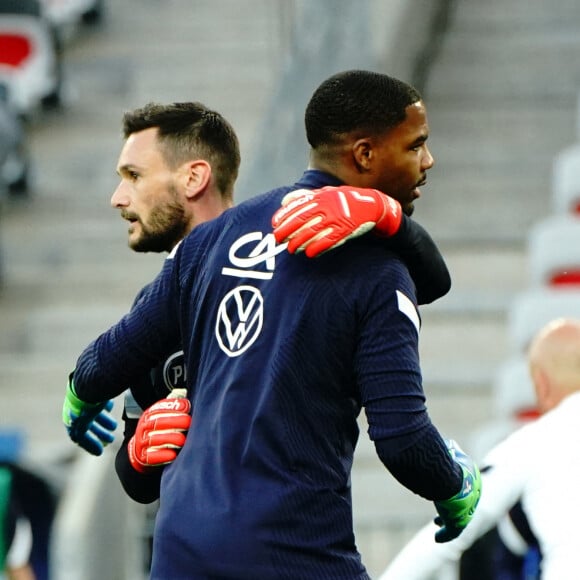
[(253, 256), (239, 320)]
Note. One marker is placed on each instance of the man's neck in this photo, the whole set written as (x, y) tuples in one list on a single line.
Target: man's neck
[(208, 210)]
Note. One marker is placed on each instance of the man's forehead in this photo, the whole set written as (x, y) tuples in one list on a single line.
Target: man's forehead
[(414, 125), (140, 149), (142, 139)]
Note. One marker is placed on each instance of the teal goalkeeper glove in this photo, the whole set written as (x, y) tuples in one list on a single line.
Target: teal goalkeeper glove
[(89, 425), (456, 512)]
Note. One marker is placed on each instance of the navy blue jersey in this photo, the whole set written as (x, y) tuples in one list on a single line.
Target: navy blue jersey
[(158, 382), (413, 244), (281, 353), (153, 385)]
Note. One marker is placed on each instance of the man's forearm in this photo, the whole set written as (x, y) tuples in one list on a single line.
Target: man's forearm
[(140, 487), (421, 463)]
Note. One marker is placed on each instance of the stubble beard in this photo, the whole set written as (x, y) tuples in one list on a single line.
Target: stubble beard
[(167, 225)]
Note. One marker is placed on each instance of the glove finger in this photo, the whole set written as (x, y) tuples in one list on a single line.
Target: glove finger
[(291, 203), (103, 435), (90, 444), (87, 416), (159, 456), (106, 421), (324, 241), (78, 426), (177, 421), (447, 533), (166, 439), (303, 236), (108, 406), (290, 226), (333, 238), (303, 195), (336, 237)]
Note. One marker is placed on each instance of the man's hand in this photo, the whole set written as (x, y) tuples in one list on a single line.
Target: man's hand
[(455, 513), (89, 425), (319, 220), (160, 433)]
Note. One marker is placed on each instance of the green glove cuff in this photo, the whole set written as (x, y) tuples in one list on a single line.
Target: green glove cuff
[(72, 404), (460, 508)]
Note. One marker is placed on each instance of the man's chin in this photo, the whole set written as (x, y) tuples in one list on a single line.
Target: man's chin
[(137, 245), (150, 244), (409, 209)]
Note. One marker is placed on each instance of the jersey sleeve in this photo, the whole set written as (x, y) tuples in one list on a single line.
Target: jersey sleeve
[(135, 344), (389, 376), (387, 364), (421, 255)]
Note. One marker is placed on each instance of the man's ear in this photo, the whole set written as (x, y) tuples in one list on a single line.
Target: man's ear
[(543, 389), (362, 152), (197, 176)]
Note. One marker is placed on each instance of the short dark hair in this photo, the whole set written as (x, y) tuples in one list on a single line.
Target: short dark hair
[(190, 130), (356, 101)]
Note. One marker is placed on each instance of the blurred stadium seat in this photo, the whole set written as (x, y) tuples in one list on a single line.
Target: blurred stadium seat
[(534, 308), (67, 16), (513, 405), (29, 56), (554, 251), (566, 180), (513, 393)]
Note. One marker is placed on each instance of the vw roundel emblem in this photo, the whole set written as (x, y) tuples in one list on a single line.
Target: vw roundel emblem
[(239, 320)]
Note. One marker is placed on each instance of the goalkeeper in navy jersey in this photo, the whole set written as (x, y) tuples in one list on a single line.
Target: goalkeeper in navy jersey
[(164, 193), (282, 352)]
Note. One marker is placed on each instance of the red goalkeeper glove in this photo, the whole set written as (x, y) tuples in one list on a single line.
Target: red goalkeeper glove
[(160, 433), (315, 221)]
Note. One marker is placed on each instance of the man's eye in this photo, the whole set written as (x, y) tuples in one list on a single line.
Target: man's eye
[(133, 175)]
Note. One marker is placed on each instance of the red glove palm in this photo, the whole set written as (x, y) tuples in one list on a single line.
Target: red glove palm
[(319, 220), (160, 433)]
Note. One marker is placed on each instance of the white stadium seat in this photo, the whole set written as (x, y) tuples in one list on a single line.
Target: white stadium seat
[(554, 252), (566, 180), (534, 308), (513, 405), (513, 393), (28, 61)]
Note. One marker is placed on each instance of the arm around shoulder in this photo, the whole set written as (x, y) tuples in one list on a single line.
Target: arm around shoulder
[(424, 260)]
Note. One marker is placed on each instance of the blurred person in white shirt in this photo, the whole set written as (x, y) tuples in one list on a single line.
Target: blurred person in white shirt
[(538, 465)]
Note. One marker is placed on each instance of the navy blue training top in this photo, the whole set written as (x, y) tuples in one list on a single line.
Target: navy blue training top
[(282, 352)]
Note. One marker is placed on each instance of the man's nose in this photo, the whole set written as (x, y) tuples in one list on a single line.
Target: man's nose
[(119, 198), (428, 160)]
